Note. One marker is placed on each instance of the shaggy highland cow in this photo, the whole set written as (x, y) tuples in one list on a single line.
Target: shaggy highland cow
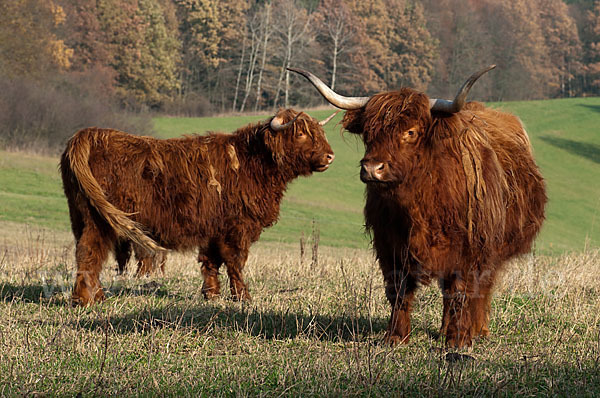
[(452, 193), (215, 192)]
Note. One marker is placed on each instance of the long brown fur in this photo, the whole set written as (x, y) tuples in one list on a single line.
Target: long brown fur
[(456, 203), (215, 192)]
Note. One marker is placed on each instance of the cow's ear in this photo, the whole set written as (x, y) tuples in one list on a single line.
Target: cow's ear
[(353, 121)]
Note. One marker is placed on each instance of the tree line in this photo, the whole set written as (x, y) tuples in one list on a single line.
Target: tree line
[(192, 57)]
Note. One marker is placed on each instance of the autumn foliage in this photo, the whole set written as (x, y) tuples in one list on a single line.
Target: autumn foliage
[(192, 57)]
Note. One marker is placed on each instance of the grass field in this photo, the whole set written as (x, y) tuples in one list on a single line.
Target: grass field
[(313, 328)]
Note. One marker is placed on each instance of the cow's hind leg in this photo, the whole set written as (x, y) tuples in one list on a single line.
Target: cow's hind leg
[(456, 320), (122, 254), (235, 260), (91, 252), (211, 288)]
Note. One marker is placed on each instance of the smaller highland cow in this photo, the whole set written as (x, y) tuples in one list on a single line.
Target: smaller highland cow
[(215, 193)]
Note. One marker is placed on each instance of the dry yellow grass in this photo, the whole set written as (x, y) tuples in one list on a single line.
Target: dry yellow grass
[(311, 329)]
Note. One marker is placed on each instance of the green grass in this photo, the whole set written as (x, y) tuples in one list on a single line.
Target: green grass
[(31, 191), (564, 135)]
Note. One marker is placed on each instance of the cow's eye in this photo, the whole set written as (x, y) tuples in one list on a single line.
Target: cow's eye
[(410, 135)]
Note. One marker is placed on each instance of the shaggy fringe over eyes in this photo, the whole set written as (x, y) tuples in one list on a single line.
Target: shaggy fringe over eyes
[(388, 113), (275, 141)]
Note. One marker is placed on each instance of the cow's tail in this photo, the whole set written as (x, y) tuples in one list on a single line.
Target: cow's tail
[(77, 154)]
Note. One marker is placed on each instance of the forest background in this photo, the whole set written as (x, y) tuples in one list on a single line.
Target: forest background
[(67, 64)]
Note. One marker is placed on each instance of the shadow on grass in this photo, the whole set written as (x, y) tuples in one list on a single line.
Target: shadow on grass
[(586, 150), (151, 288), (207, 317), (173, 311), (591, 107), (55, 293), (31, 293)]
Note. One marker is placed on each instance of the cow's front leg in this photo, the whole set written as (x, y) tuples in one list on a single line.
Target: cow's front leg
[(480, 304), (456, 320), (239, 290), (400, 288), (234, 249)]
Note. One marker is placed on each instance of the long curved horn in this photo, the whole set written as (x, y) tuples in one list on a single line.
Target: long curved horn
[(324, 122), (331, 96), (441, 105), (277, 126)]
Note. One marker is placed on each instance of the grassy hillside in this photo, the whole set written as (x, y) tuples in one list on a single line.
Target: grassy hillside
[(564, 133), (31, 191)]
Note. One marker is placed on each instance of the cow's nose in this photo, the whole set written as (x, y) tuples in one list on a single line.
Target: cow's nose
[(372, 171), (330, 157)]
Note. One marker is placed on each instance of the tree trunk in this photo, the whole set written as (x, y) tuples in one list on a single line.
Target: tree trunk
[(266, 33), (288, 57), (239, 75), (334, 62), (250, 75)]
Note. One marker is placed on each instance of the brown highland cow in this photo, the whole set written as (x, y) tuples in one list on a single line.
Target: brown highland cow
[(215, 192), (452, 193)]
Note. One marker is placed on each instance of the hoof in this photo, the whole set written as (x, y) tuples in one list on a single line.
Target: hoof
[(453, 357), (85, 299), (394, 340), (458, 343), (210, 295), (211, 289), (483, 333), (243, 296)]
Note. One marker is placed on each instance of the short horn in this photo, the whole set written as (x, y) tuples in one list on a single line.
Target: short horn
[(347, 103), (276, 124), (441, 105), (324, 122)]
